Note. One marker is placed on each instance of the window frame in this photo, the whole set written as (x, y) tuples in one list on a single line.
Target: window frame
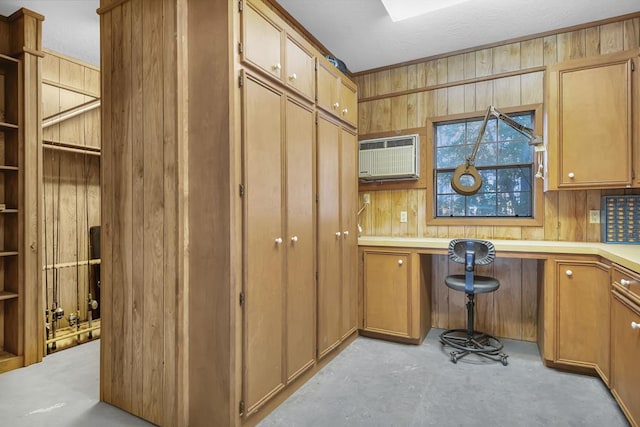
[(537, 207)]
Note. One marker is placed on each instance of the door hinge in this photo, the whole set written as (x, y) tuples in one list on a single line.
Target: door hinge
[(317, 198), (241, 190), (239, 47), (240, 6), (240, 80), (316, 276), (241, 407), (242, 298), (633, 66)]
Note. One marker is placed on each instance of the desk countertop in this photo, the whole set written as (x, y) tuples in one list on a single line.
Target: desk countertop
[(625, 255)]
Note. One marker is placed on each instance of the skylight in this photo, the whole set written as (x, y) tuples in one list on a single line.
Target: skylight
[(400, 10)]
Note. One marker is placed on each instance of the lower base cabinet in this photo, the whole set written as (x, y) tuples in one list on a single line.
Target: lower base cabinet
[(625, 355), (396, 297)]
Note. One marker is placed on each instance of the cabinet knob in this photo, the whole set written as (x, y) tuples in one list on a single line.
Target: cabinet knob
[(276, 67), (338, 234), (293, 76), (335, 106), (625, 282), (571, 175), (344, 112), (400, 262), (345, 234), (569, 273), (278, 240), (294, 239), (635, 325)]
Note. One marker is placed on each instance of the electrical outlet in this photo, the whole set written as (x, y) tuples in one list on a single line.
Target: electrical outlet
[(594, 216), (403, 216), (366, 197)]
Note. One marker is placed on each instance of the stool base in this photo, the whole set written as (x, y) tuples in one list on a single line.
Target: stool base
[(479, 343)]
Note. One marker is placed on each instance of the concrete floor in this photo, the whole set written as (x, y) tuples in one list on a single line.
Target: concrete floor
[(371, 383)]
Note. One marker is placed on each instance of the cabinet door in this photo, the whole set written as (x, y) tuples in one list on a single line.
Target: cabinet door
[(348, 210), (262, 38), (300, 73), (583, 315), (329, 237), (263, 245), (328, 85), (591, 123), (300, 239), (348, 102), (386, 293), (625, 354)]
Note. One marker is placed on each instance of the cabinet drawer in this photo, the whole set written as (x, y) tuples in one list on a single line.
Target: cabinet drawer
[(300, 63), (262, 39), (626, 282)]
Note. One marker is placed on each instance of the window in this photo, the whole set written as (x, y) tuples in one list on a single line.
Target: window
[(505, 161)]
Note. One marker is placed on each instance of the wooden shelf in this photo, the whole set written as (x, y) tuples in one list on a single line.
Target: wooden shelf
[(8, 253), (8, 211), (8, 126), (8, 168), (9, 361), (4, 295), (8, 59)]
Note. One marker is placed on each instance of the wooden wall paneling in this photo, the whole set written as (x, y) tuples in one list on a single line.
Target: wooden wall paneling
[(506, 58), (439, 292), (414, 116), (571, 215), (532, 88), (551, 219), (507, 233), (455, 94), (380, 115), (398, 204), (530, 300), (457, 300), (484, 62), (592, 41), (51, 106), (592, 203), (571, 45), (412, 213), (364, 117), (507, 92), (611, 37), (550, 44), (484, 307), (631, 33), (508, 299), (382, 212), (399, 109), (383, 83)]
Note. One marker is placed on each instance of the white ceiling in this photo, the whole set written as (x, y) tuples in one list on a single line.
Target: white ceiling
[(362, 34), (359, 31)]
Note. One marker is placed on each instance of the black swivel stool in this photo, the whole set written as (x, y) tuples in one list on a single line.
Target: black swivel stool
[(471, 252)]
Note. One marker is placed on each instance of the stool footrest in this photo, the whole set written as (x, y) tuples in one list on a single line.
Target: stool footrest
[(477, 343)]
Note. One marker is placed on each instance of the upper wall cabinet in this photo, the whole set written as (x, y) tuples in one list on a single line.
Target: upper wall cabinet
[(592, 127), (270, 46), (336, 95)]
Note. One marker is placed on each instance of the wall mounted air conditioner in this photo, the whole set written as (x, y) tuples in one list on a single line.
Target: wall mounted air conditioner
[(396, 157)]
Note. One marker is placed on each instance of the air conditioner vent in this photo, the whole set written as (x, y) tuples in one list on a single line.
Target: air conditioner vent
[(389, 158)]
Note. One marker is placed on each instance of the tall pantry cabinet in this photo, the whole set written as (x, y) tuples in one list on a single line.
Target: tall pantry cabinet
[(286, 294)]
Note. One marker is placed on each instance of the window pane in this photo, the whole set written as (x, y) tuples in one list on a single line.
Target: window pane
[(488, 180), (450, 205), (450, 157), (450, 134), (514, 204), (487, 154), (481, 204), (443, 183), (506, 132), (514, 179), (511, 152), (473, 127)]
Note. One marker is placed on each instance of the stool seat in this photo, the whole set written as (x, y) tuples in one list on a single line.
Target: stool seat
[(481, 284)]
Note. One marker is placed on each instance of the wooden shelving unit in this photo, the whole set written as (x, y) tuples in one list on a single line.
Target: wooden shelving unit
[(11, 288)]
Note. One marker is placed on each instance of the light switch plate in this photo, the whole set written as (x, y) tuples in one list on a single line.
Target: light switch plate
[(366, 197), (403, 216), (594, 216)]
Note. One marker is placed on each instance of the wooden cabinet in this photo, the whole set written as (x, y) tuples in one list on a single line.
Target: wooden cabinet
[(279, 281), (336, 95), (270, 46), (592, 126), (625, 341), (396, 296), (11, 174), (582, 315), (337, 234), (387, 293)]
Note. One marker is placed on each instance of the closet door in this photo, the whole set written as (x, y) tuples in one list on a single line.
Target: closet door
[(329, 237), (300, 287), (349, 227), (263, 243)]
